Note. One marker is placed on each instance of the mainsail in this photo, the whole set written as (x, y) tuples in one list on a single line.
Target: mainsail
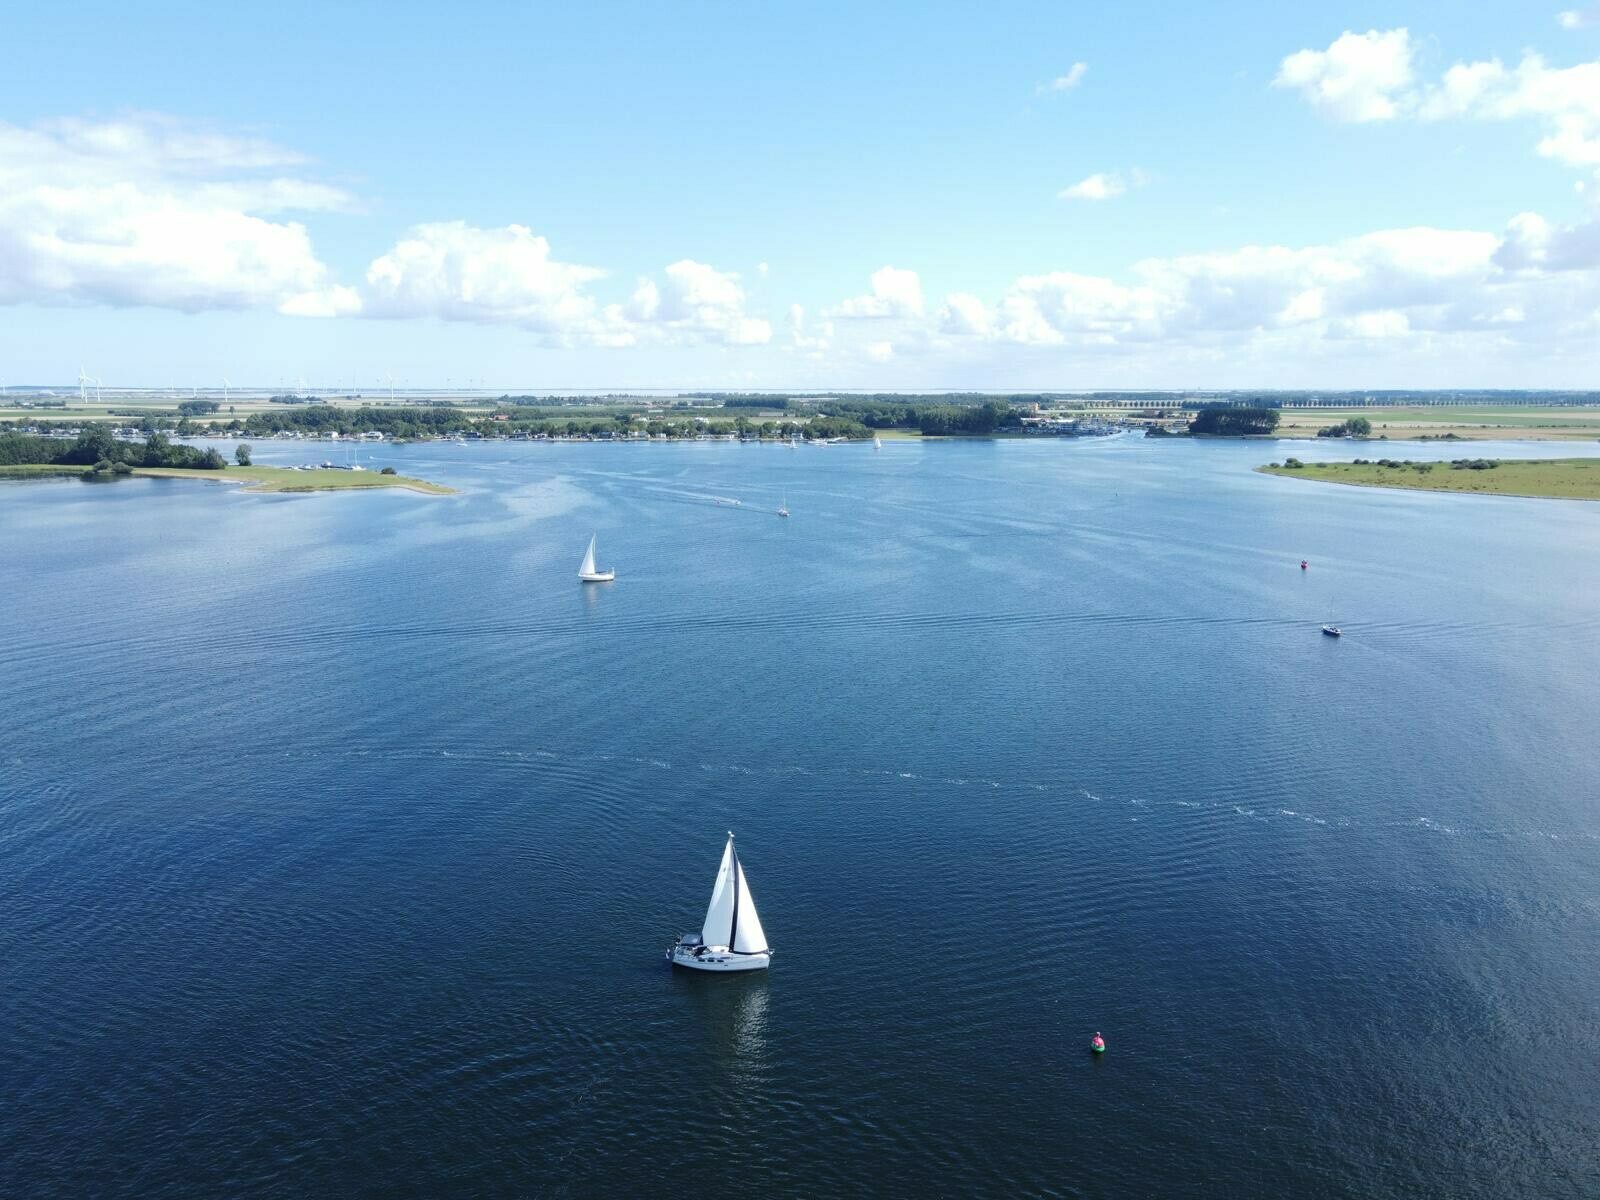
[(718, 927), (588, 560)]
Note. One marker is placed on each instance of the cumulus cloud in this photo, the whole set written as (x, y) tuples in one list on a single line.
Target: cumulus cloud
[(1532, 243), (1359, 77), (458, 272), (699, 302), (1103, 185), (895, 293), (880, 352), (1390, 284), (1369, 77), (813, 344), (148, 210), (1065, 83), (964, 313), (1578, 18), (1566, 100)]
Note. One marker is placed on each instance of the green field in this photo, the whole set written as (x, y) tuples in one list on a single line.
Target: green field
[(1556, 478), (260, 479), (1466, 421)]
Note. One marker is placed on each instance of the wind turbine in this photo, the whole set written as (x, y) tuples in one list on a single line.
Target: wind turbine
[(389, 378), (225, 386)]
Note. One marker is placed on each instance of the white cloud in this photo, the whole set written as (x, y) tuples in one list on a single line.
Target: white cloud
[(1565, 99), (1065, 83), (149, 210), (1391, 284), (1383, 324), (1359, 77), (1368, 77), (812, 344), (895, 293), (1103, 185), (458, 272), (880, 352), (1532, 243), (761, 269), (964, 313), (1576, 18), (701, 303)]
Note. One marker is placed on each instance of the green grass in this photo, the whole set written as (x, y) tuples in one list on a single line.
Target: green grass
[(1556, 478), (260, 479), (1511, 422), (284, 479)]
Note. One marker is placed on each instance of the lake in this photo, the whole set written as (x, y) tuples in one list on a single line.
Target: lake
[(341, 836)]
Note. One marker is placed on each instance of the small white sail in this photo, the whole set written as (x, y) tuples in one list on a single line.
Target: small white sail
[(718, 927), (588, 560), (748, 936)]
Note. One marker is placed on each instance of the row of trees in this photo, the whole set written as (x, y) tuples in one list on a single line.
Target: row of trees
[(97, 445), (1234, 421)]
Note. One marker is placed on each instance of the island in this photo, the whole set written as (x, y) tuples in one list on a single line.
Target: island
[(98, 455), (1549, 479)]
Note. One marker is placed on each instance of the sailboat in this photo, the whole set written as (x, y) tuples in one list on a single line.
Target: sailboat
[(877, 442), (731, 938), (589, 573)]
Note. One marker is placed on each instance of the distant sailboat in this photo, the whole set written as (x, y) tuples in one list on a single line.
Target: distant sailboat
[(877, 442), (731, 939), (589, 573)]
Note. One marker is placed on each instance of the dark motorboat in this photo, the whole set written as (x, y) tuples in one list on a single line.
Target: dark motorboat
[(1333, 631)]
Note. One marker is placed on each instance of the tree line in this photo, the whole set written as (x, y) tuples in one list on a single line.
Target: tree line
[(97, 445)]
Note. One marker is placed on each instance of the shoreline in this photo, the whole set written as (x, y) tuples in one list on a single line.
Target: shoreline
[(1552, 479), (259, 480)]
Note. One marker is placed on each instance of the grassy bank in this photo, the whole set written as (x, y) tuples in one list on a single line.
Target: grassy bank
[(1557, 478), (1466, 422), (259, 479)]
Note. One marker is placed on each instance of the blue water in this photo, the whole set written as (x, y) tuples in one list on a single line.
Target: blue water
[(341, 835)]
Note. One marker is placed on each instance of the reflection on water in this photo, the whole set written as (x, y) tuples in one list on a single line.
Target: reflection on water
[(730, 1016)]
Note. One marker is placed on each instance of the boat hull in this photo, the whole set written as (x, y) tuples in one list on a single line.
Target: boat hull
[(718, 960), (597, 576)]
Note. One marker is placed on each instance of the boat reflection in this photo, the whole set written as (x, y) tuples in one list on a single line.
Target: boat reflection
[(731, 1014)]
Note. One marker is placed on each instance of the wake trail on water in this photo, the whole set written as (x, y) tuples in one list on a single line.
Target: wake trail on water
[(326, 635), (613, 796)]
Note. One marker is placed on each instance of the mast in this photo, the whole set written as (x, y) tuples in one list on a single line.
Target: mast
[(733, 869)]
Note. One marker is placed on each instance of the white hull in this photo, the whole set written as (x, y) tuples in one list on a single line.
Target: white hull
[(597, 576), (718, 960)]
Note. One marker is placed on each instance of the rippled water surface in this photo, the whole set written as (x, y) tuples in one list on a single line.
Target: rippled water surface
[(341, 835)]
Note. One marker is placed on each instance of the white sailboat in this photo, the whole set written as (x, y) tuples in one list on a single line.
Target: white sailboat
[(588, 572), (731, 939), (877, 442)]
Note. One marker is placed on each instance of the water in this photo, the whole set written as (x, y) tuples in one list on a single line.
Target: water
[(341, 835)]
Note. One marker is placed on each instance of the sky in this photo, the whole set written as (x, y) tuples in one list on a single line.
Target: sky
[(1003, 196)]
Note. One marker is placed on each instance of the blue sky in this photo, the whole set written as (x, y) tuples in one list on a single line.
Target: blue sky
[(889, 196)]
